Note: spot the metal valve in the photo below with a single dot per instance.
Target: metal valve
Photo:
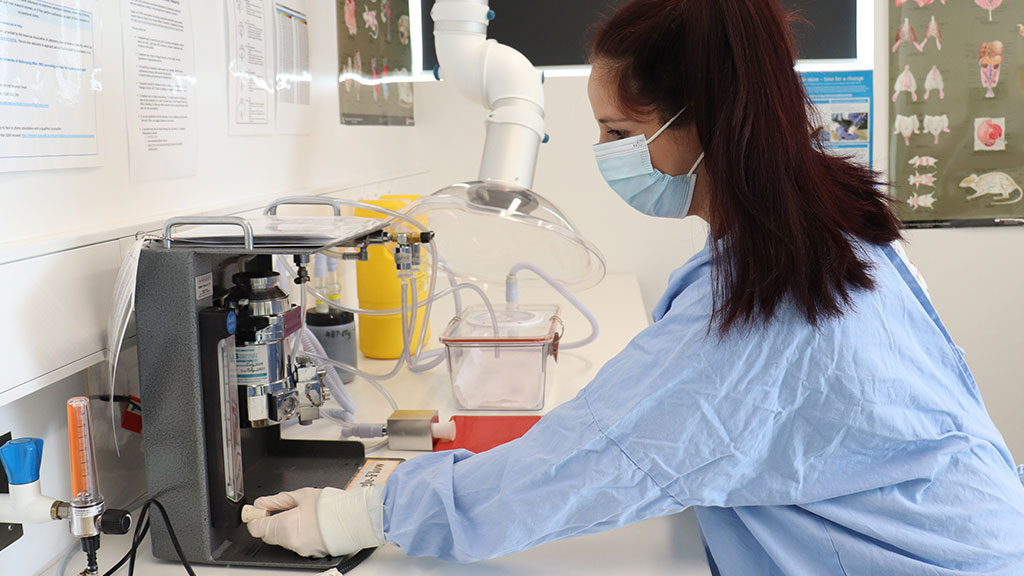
(309, 381)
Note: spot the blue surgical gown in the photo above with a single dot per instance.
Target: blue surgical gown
(859, 447)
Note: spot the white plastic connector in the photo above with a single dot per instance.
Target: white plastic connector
(467, 16)
(363, 430)
(26, 505)
(497, 77)
(512, 291)
(250, 513)
(443, 431)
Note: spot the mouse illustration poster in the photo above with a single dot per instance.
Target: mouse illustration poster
(956, 90)
(374, 55)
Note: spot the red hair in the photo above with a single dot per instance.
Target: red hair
(787, 212)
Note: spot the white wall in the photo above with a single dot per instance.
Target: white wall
(974, 278)
(231, 170)
(55, 211)
(972, 273)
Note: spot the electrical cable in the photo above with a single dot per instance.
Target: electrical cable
(117, 398)
(127, 555)
(350, 563)
(143, 525)
(137, 539)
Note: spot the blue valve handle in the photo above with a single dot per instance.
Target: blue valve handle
(21, 459)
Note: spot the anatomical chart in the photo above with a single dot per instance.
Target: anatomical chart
(375, 62)
(957, 95)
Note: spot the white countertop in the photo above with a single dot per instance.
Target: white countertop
(669, 545)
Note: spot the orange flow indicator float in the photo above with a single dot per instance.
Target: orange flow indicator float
(84, 477)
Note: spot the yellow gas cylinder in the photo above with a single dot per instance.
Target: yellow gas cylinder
(379, 288)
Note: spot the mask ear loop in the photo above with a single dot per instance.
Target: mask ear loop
(666, 126)
(695, 164)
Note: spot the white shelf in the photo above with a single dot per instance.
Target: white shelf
(58, 308)
(21, 390)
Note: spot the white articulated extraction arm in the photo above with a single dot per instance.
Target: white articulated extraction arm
(497, 77)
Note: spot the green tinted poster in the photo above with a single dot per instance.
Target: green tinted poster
(957, 110)
(374, 55)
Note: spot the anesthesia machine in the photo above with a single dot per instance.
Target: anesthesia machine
(225, 358)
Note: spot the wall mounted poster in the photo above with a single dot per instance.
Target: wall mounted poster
(250, 67)
(957, 80)
(50, 85)
(374, 55)
(843, 108)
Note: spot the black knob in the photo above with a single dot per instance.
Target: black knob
(116, 522)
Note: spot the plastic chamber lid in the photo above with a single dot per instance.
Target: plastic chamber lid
(483, 229)
(530, 324)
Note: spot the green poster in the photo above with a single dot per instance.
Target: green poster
(374, 54)
(957, 81)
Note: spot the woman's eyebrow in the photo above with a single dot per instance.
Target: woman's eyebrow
(611, 120)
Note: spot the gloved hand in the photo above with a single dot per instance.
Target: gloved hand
(317, 523)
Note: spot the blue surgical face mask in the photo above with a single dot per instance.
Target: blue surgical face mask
(626, 166)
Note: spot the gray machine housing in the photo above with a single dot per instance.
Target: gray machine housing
(172, 289)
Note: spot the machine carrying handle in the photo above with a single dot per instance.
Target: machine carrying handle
(302, 201)
(242, 223)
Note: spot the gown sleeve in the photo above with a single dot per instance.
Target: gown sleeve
(564, 478)
(775, 414)
(568, 476)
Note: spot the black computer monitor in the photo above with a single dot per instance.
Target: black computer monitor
(556, 32)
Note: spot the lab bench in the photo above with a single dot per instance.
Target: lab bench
(668, 545)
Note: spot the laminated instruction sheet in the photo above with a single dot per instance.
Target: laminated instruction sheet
(294, 78)
(50, 84)
(160, 91)
(957, 110)
(251, 67)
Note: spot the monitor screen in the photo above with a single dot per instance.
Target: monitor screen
(556, 32)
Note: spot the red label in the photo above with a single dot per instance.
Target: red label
(131, 415)
(292, 320)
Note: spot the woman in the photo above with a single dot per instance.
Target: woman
(797, 388)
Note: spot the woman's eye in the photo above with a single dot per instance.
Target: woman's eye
(617, 134)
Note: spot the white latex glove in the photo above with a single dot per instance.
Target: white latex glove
(294, 526)
(318, 523)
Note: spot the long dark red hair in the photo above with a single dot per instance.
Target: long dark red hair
(786, 212)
